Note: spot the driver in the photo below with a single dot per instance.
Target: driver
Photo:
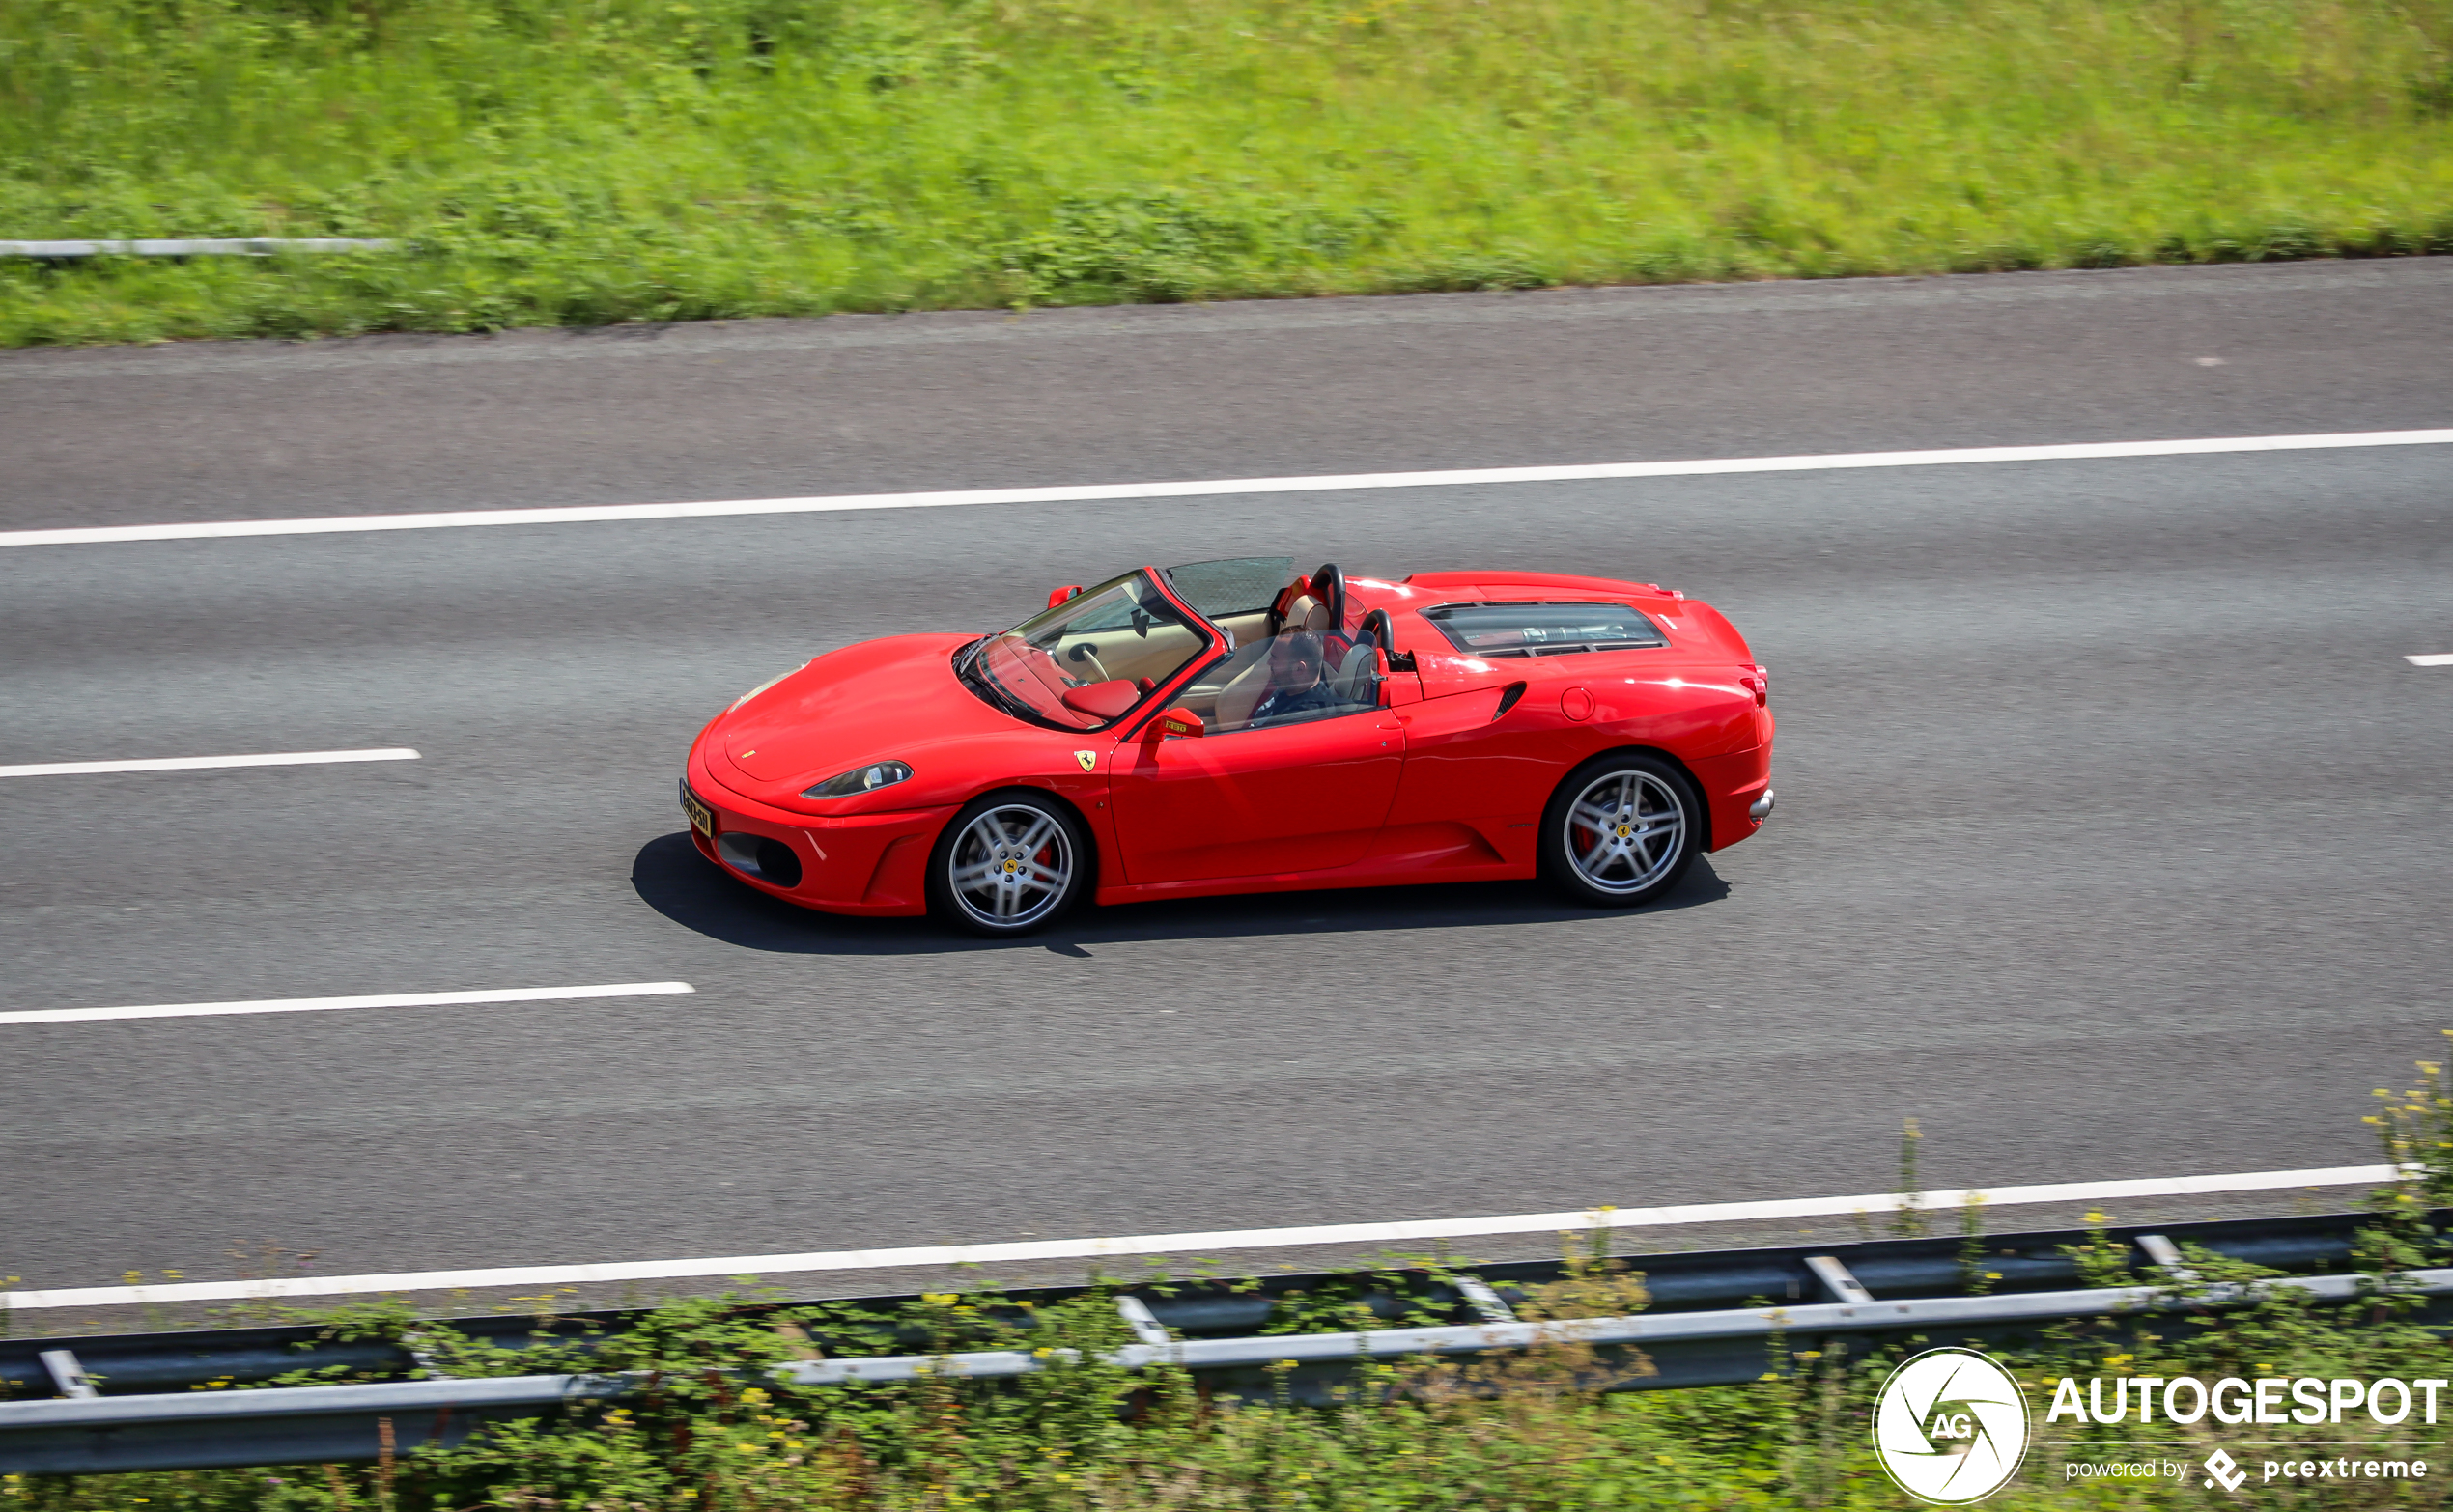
(1295, 685)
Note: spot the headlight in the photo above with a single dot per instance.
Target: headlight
(861, 779)
(762, 687)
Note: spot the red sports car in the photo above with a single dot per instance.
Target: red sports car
(1231, 727)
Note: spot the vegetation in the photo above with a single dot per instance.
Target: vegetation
(581, 161)
(712, 1427)
(1513, 1431)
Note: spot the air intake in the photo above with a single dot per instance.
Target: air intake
(770, 861)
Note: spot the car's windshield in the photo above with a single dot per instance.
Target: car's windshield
(1089, 661)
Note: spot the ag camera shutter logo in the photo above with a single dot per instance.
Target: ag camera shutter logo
(1950, 1426)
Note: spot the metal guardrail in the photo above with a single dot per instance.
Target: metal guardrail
(1677, 1283)
(123, 1364)
(211, 246)
(308, 1424)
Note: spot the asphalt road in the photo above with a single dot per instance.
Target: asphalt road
(2113, 837)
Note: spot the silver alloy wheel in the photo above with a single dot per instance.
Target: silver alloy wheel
(1010, 865)
(1625, 831)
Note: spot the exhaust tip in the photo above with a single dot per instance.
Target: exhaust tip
(1761, 809)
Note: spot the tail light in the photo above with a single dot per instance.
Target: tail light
(1758, 681)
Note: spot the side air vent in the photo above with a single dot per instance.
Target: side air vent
(1508, 699)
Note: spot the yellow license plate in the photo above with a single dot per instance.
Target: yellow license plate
(701, 818)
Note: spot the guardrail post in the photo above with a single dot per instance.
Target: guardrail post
(1137, 1317)
(68, 1376)
(2167, 1256)
(1836, 1281)
(1478, 1296)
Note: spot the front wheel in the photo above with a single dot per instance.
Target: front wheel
(1621, 830)
(1010, 863)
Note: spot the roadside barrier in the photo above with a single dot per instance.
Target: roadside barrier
(211, 246)
(1828, 1293)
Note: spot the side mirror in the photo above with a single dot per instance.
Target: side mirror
(1175, 724)
(1060, 595)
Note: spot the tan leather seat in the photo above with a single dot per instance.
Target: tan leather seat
(1352, 682)
(1306, 613)
(1246, 688)
(1251, 684)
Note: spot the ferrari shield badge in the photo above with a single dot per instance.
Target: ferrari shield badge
(1089, 760)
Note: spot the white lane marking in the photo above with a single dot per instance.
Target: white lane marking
(1182, 1244)
(62, 768)
(512, 994)
(1099, 492)
(2433, 659)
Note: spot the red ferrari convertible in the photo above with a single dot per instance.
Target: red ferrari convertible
(1231, 727)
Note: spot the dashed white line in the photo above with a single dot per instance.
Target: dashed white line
(2432, 659)
(1116, 491)
(513, 995)
(64, 768)
(1190, 1243)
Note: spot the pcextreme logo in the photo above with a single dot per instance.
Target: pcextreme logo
(2222, 1468)
(1950, 1426)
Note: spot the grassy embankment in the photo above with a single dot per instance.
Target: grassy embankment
(578, 162)
(1504, 1432)
(1514, 1434)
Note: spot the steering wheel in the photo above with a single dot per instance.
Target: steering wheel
(1086, 651)
(1033, 657)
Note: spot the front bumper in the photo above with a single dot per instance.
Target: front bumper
(869, 864)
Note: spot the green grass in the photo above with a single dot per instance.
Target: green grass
(584, 161)
(713, 1429)
(1518, 1433)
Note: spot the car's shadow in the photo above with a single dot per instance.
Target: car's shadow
(674, 879)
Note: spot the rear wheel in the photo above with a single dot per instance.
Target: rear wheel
(1008, 863)
(1621, 830)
